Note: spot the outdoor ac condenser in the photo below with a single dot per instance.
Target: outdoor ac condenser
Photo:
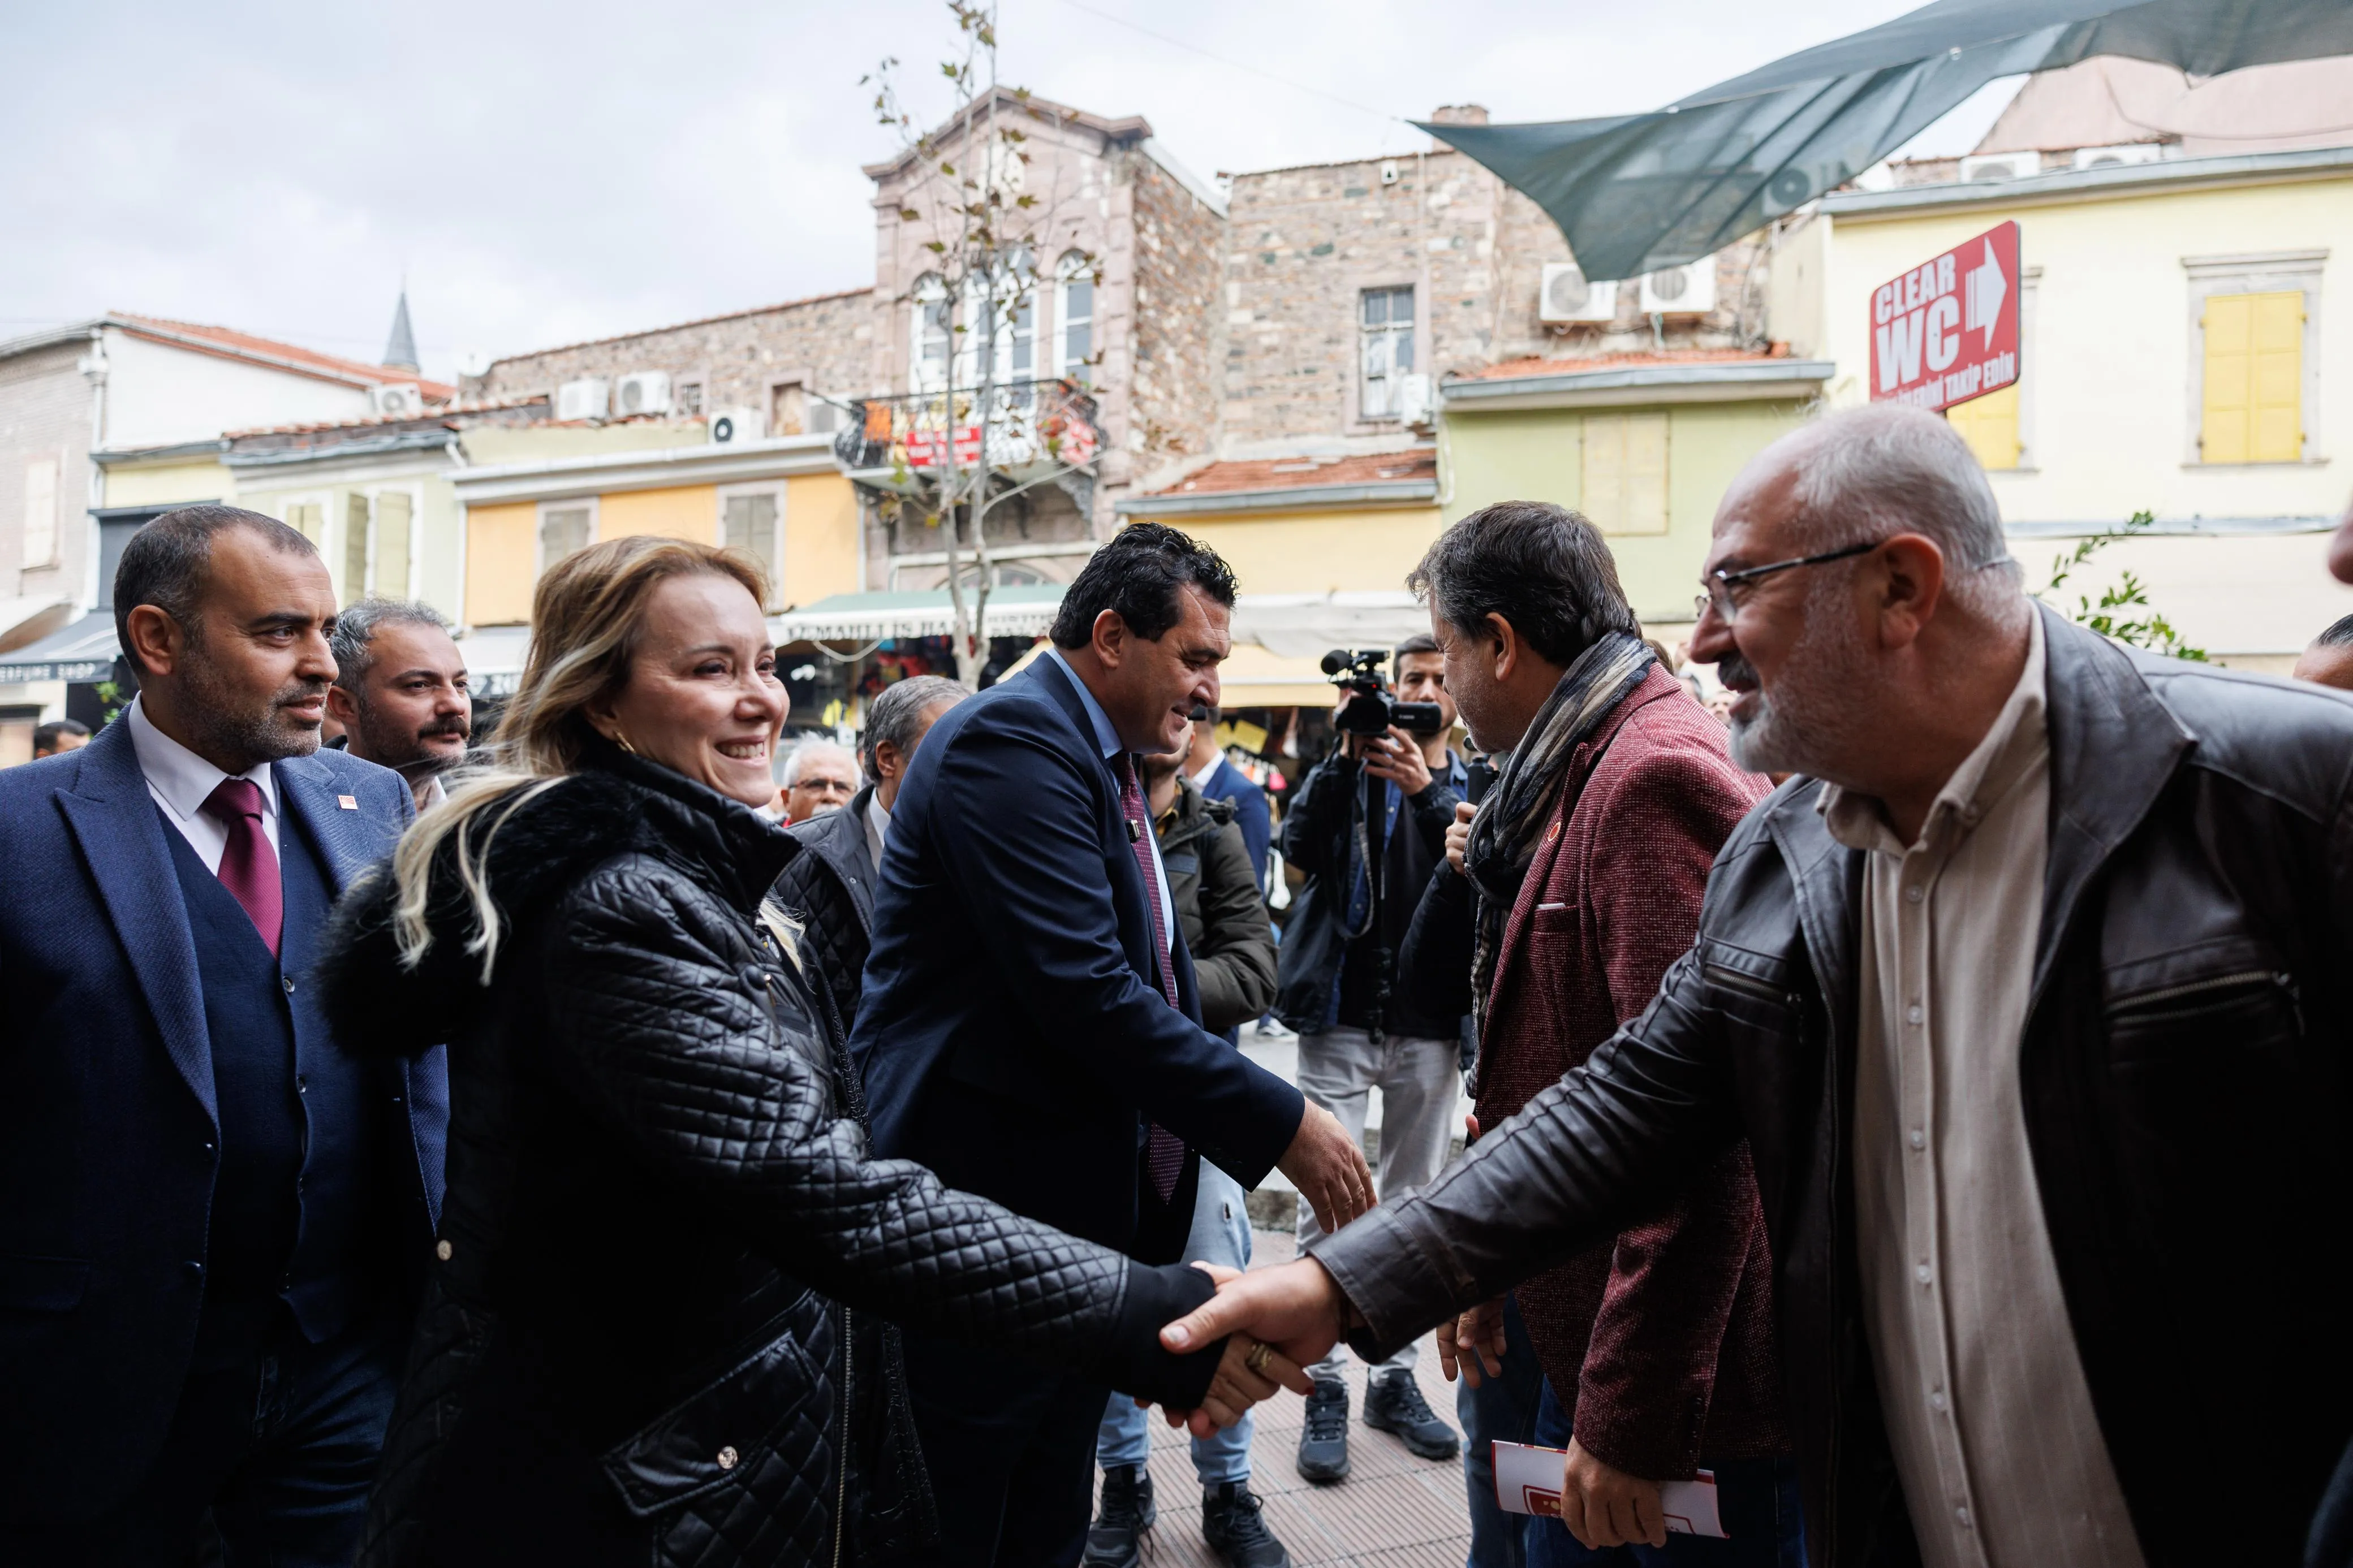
(732, 425)
(401, 400)
(1685, 290)
(580, 400)
(642, 392)
(1565, 296)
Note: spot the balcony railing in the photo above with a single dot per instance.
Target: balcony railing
(1030, 428)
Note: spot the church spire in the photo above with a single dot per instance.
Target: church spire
(400, 354)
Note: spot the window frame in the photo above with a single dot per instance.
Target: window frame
(2257, 272)
(1073, 269)
(780, 491)
(1361, 383)
(408, 590)
(540, 561)
(929, 290)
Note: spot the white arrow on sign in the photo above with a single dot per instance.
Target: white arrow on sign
(1987, 288)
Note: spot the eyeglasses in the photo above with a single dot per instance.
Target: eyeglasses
(1718, 596)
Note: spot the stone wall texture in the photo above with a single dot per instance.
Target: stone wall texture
(1179, 243)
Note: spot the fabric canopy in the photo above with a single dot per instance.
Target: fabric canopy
(1634, 192)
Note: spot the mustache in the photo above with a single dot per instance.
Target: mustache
(301, 690)
(459, 725)
(1737, 673)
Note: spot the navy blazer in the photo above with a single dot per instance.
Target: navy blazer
(1011, 1031)
(108, 1128)
(1252, 814)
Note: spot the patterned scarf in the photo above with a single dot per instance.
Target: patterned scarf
(1504, 833)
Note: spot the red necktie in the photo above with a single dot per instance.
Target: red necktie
(249, 866)
(1164, 1151)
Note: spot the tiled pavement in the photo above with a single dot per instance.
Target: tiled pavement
(1393, 1511)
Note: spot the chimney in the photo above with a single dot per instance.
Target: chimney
(1460, 114)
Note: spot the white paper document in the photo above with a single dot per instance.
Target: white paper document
(1527, 1480)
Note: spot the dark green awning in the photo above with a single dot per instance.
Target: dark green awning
(1638, 192)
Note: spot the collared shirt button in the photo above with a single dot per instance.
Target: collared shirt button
(442, 1250)
(1921, 1274)
(1936, 1400)
(1912, 895)
(1913, 1013)
(1962, 1514)
(728, 1457)
(1919, 1139)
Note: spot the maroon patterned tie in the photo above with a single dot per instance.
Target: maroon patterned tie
(249, 866)
(1164, 1151)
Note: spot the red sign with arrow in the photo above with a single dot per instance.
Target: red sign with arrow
(1946, 330)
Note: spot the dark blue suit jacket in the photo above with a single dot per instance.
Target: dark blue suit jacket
(1251, 813)
(1010, 1030)
(108, 1123)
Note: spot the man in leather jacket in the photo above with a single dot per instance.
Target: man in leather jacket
(2028, 994)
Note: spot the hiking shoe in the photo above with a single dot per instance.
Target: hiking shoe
(1393, 1402)
(1232, 1524)
(1324, 1441)
(1127, 1513)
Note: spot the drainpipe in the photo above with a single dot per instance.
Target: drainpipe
(93, 368)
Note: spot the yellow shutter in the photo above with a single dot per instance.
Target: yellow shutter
(303, 517)
(355, 547)
(1625, 490)
(2255, 378)
(1989, 425)
(392, 544)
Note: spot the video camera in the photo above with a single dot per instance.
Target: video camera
(1372, 709)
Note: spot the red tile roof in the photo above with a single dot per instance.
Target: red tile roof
(230, 341)
(438, 412)
(1512, 369)
(1302, 473)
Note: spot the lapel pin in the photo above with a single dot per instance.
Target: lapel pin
(348, 802)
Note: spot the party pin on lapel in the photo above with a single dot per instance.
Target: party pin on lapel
(348, 802)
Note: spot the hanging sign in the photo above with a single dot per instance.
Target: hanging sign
(1946, 330)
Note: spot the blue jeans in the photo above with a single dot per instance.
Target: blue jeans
(1501, 1409)
(278, 1439)
(1757, 1500)
(1220, 1234)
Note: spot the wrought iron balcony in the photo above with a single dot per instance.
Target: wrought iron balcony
(908, 442)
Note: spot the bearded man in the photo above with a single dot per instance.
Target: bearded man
(401, 693)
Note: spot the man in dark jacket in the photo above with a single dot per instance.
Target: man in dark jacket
(2027, 992)
(831, 890)
(1357, 1029)
(1225, 929)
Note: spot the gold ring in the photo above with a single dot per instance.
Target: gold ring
(1260, 1354)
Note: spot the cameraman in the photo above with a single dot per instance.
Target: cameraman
(1387, 798)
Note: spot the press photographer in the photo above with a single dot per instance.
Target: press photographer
(1367, 827)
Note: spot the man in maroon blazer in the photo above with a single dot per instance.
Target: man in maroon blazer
(1572, 891)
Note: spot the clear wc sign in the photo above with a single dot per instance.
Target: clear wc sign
(1946, 330)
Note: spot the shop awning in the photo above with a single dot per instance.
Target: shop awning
(84, 651)
(1017, 610)
(1304, 626)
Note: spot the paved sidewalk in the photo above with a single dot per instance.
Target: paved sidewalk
(1394, 1511)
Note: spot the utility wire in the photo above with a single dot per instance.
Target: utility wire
(1234, 65)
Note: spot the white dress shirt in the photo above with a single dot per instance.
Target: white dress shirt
(182, 781)
(878, 822)
(1209, 771)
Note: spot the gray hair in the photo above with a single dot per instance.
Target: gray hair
(898, 713)
(1874, 472)
(355, 629)
(808, 746)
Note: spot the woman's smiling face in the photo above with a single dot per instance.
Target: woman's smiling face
(703, 697)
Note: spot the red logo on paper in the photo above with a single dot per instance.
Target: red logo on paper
(1946, 330)
(1541, 1502)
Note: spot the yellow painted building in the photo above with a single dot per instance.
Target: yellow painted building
(783, 501)
(2181, 323)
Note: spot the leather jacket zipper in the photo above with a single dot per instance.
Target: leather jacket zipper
(2155, 1004)
(841, 1465)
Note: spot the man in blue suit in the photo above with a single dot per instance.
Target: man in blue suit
(1218, 779)
(212, 1220)
(1030, 1028)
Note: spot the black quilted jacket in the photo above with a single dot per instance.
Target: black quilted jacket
(829, 887)
(641, 1341)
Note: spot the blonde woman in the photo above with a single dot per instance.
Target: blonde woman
(646, 1335)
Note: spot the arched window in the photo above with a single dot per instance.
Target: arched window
(1000, 304)
(1074, 318)
(928, 336)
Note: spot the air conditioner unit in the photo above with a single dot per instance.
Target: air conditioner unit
(1565, 296)
(581, 399)
(1685, 290)
(399, 400)
(1998, 166)
(730, 424)
(2111, 157)
(642, 392)
(1416, 401)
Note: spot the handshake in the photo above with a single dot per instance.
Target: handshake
(1276, 1322)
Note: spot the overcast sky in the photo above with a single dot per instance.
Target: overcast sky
(547, 172)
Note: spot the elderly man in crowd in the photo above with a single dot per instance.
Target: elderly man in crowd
(401, 691)
(2029, 989)
(2329, 660)
(830, 884)
(820, 776)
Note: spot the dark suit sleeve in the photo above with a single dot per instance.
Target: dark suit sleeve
(1020, 850)
(1434, 964)
(1312, 828)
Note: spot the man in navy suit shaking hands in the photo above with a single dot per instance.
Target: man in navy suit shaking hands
(1029, 1026)
(213, 1220)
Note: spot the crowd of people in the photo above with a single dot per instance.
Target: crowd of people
(595, 1142)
